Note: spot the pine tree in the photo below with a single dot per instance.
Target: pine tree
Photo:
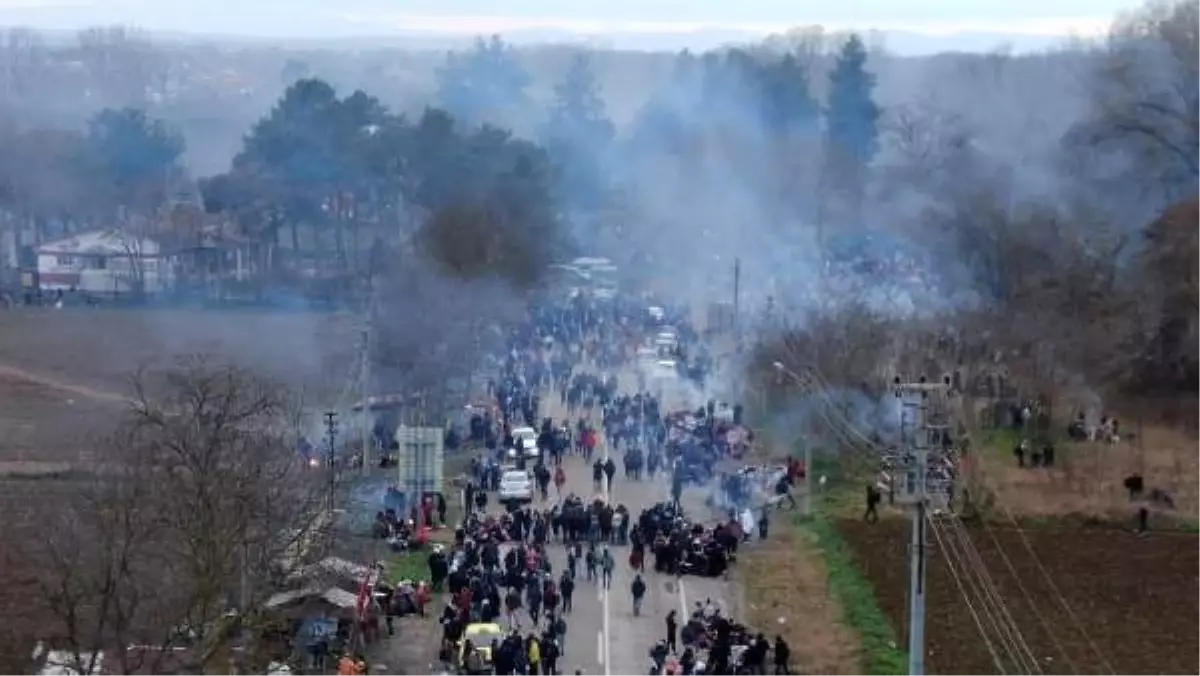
(787, 103)
(579, 135)
(579, 116)
(851, 135)
(485, 84)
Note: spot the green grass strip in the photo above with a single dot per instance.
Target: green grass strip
(880, 654)
(412, 566)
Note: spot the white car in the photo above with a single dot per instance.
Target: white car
(516, 485)
(666, 368)
(525, 438)
(605, 292)
(530, 454)
(665, 349)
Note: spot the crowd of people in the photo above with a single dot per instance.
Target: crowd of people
(508, 605)
(710, 643)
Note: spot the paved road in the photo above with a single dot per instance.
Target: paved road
(603, 635)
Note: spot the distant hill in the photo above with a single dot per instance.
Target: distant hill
(906, 43)
(61, 19)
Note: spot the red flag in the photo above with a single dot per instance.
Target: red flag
(365, 588)
(364, 597)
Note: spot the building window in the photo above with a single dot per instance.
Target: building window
(66, 261)
(101, 263)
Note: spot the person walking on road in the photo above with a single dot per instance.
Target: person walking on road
(783, 491)
(873, 499)
(783, 654)
(606, 566)
(566, 587)
(610, 468)
(590, 560)
(560, 478)
(550, 654)
(672, 632)
(512, 603)
(589, 443)
(638, 589)
(534, 653)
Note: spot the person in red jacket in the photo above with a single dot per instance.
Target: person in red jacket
(423, 597)
(796, 470)
(560, 478)
(589, 443)
(463, 601)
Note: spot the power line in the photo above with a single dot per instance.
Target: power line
(915, 493)
(966, 598)
(1029, 599)
(811, 382)
(1058, 593)
(1006, 626)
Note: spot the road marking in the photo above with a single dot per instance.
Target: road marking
(600, 650)
(607, 643)
(683, 606)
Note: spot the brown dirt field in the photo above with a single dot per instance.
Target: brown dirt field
(1087, 477)
(21, 500)
(100, 348)
(63, 373)
(46, 428)
(785, 578)
(1134, 596)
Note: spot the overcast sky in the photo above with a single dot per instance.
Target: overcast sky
(380, 18)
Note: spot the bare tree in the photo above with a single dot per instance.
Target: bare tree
(927, 152)
(165, 560)
(433, 328)
(1145, 96)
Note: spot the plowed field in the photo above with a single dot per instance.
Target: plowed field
(63, 373)
(1132, 599)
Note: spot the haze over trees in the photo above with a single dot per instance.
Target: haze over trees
(806, 154)
(1031, 214)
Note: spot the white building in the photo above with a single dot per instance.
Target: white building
(103, 261)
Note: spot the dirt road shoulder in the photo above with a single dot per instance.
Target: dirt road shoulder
(787, 592)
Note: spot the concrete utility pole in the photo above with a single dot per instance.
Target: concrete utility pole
(366, 333)
(642, 422)
(925, 437)
(737, 293)
(806, 502)
(365, 386)
(331, 441)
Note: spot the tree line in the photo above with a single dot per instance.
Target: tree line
(446, 220)
(329, 174)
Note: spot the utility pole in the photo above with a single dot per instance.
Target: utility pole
(365, 386)
(737, 292)
(642, 394)
(925, 437)
(331, 440)
(806, 501)
(364, 373)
